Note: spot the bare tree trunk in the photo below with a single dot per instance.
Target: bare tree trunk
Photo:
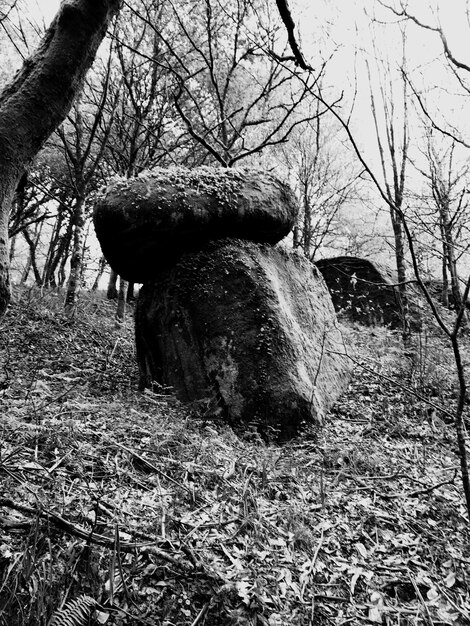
(76, 261)
(449, 254)
(12, 248)
(296, 237)
(121, 307)
(31, 263)
(63, 256)
(307, 230)
(38, 99)
(130, 292)
(399, 238)
(54, 238)
(445, 282)
(112, 292)
(99, 275)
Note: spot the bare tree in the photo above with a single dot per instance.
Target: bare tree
(392, 134)
(234, 97)
(452, 330)
(143, 112)
(458, 70)
(40, 96)
(141, 89)
(324, 180)
(84, 138)
(444, 222)
(38, 99)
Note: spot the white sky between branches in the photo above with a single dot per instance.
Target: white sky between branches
(347, 32)
(343, 30)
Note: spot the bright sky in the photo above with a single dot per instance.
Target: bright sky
(347, 21)
(46, 8)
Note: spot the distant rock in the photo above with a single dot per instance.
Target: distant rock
(146, 223)
(362, 291)
(250, 327)
(445, 296)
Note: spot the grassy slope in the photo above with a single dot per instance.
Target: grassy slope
(117, 504)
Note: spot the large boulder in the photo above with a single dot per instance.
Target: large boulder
(250, 327)
(146, 223)
(362, 291)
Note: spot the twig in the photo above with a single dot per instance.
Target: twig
(77, 531)
(420, 596)
(397, 384)
(420, 492)
(201, 614)
(462, 611)
(410, 494)
(312, 564)
(284, 12)
(152, 466)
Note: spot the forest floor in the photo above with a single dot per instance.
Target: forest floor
(119, 507)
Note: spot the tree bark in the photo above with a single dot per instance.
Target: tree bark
(38, 99)
(101, 268)
(12, 248)
(399, 239)
(32, 263)
(76, 261)
(111, 292)
(449, 255)
(130, 292)
(122, 297)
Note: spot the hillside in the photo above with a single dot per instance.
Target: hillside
(120, 507)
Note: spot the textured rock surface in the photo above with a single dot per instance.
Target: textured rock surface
(250, 326)
(149, 221)
(362, 290)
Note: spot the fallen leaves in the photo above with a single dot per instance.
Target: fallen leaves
(159, 513)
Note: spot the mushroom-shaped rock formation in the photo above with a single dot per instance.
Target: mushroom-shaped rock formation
(146, 223)
(249, 326)
(363, 291)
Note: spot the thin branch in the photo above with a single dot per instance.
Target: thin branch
(286, 16)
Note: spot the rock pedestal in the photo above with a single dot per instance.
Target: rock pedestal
(250, 327)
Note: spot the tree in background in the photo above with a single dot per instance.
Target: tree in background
(234, 97)
(142, 134)
(84, 138)
(391, 126)
(442, 214)
(142, 86)
(324, 180)
(40, 96)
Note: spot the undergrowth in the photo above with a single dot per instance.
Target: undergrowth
(119, 507)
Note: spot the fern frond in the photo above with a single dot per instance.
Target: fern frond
(75, 612)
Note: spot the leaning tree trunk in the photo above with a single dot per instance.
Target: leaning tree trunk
(38, 99)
